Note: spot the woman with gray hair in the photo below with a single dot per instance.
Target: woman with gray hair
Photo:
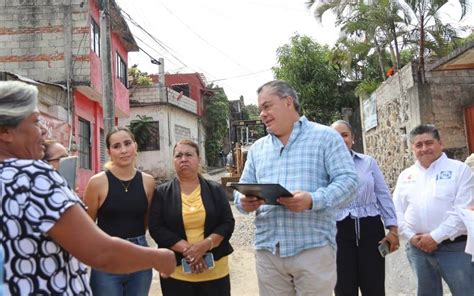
(45, 230)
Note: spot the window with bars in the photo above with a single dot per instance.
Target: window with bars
(85, 144)
(121, 69)
(103, 157)
(95, 37)
(153, 141)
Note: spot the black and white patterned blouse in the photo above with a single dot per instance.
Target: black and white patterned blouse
(32, 198)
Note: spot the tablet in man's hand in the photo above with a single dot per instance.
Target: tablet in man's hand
(268, 192)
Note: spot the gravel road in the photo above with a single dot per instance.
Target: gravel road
(399, 279)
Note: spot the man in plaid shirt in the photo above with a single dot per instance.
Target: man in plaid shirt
(295, 241)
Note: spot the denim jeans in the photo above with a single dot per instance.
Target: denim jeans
(1, 271)
(448, 262)
(134, 284)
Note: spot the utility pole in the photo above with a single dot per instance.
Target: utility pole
(108, 103)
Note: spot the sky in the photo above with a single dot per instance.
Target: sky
(233, 43)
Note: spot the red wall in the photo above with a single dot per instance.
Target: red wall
(96, 78)
(92, 112)
(120, 90)
(196, 87)
(121, 94)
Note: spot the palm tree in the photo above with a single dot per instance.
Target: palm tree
(428, 28)
(140, 129)
(417, 22)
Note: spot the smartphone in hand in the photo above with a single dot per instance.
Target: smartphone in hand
(208, 258)
(384, 248)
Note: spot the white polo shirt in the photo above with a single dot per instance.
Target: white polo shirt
(425, 199)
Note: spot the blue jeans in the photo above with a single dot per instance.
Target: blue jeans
(448, 262)
(110, 284)
(1, 271)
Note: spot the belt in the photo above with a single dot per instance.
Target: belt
(461, 238)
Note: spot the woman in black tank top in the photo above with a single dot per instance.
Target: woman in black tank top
(119, 199)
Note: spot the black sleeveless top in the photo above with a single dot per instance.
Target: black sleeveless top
(123, 212)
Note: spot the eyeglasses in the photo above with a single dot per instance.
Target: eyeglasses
(56, 159)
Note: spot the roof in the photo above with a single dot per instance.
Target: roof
(120, 27)
(459, 59)
(32, 81)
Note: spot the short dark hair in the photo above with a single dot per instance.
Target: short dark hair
(424, 129)
(282, 89)
(189, 143)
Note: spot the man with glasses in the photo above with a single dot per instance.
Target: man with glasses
(53, 152)
(295, 241)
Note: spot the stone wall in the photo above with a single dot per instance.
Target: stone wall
(402, 103)
(387, 142)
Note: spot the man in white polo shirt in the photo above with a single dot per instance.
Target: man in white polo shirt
(425, 197)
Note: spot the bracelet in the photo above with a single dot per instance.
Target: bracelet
(394, 233)
(212, 244)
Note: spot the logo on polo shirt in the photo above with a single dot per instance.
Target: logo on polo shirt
(444, 175)
(409, 179)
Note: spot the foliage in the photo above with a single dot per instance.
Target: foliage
(250, 112)
(415, 25)
(140, 128)
(306, 66)
(366, 87)
(139, 78)
(216, 116)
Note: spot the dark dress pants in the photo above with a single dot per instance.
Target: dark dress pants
(173, 287)
(359, 263)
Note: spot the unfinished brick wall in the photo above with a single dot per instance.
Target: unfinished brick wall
(451, 91)
(44, 39)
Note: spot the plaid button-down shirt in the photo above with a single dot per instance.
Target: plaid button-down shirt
(315, 160)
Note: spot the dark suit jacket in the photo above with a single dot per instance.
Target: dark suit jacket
(166, 220)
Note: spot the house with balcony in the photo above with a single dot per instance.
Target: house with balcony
(57, 43)
(175, 105)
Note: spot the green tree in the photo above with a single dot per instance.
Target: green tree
(389, 23)
(428, 31)
(306, 66)
(216, 116)
(138, 78)
(250, 112)
(140, 128)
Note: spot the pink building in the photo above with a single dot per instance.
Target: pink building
(60, 44)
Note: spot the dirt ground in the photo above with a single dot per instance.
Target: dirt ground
(399, 279)
(242, 276)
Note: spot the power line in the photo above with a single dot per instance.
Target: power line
(242, 75)
(168, 49)
(153, 49)
(161, 44)
(203, 39)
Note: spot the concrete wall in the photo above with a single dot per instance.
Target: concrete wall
(175, 123)
(451, 92)
(402, 103)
